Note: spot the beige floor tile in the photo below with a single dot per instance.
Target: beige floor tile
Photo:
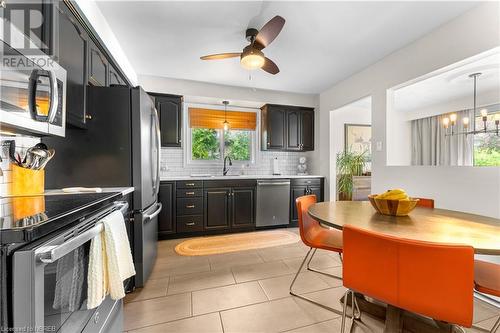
(228, 260)
(282, 252)
(320, 261)
(332, 282)
(329, 297)
(222, 298)
(260, 271)
(196, 281)
(273, 316)
(152, 289)
(315, 311)
(483, 311)
(177, 265)
(156, 311)
(279, 287)
(209, 323)
(330, 326)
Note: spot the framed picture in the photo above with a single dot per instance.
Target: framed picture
(358, 138)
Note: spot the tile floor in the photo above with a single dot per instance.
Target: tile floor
(246, 292)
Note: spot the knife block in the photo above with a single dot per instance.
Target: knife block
(26, 181)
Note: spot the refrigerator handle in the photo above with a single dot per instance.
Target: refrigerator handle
(156, 185)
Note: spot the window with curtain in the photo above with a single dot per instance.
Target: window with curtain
(210, 143)
(430, 146)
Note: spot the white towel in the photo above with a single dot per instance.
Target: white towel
(110, 261)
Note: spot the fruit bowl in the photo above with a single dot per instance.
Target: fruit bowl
(393, 207)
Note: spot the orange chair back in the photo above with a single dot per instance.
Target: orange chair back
(435, 280)
(306, 223)
(427, 203)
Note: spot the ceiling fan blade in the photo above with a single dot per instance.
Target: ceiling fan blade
(269, 32)
(220, 56)
(270, 67)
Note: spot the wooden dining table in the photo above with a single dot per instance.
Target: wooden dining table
(422, 224)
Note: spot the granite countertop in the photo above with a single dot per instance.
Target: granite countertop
(233, 177)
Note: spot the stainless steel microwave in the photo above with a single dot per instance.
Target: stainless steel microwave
(32, 90)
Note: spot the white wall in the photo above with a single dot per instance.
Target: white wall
(470, 189)
(349, 114)
(98, 21)
(210, 93)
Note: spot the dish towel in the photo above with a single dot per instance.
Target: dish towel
(70, 271)
(110, 261)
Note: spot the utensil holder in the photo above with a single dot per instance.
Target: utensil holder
(27, 206)
(27, 181)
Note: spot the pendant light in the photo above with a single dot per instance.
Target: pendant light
(225, 123)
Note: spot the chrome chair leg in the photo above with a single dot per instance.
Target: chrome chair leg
(320, 272)
(344, 311)
(354, 306)
(303, 297)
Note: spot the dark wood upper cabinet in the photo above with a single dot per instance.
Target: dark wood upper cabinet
(72, 56)
(242, 207)
(166, 219)
(287, 128)
(98, 66)
(307, 129)
(169, 109)
(114, 77)
(293, 130)
(273, 121)
(216, 208)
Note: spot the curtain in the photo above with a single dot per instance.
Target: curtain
(430, 146)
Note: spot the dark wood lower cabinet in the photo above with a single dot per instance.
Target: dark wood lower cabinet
(304, 186)
(216, 204)
(243, 207)
(166, 218)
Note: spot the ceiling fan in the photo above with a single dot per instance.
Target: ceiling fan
(252, 56)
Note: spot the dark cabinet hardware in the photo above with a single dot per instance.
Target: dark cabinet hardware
(189, 193)
(190, 223)
(190, 206)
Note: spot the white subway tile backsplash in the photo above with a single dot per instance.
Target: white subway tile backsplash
(172, 164)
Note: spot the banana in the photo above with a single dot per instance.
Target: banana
(395, 194)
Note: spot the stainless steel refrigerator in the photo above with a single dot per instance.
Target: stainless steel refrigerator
(119, 147)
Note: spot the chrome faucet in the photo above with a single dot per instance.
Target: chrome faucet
(225, 170)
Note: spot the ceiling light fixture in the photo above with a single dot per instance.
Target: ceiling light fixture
(225, 123)
(252, 58)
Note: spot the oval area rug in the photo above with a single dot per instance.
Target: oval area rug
(203, 246)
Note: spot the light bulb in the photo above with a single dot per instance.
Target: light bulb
(484, 113)
(465, 121)
(453, 118)
(226, 125)
(446, 122)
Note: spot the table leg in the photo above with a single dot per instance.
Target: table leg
(393, 322)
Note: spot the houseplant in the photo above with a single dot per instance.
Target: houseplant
(349, 164)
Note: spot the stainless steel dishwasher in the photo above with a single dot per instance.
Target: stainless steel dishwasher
(273, 202)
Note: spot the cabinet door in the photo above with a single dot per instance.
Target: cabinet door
(73, 57)
(307, 130)
(114, 77)
(170, 112)
(242, 207)
(293, 130)
(276, 118)
(98, 67)
(316, 190)
(295, 192)
(216, 208)
(166, 219)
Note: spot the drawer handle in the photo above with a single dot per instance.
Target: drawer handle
(189, 193)
(189, 206)
(190, 223)
(189, 184)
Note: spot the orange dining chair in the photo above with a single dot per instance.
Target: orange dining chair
(315, 237)
(487, 281)
(431, 279)
(424, 202)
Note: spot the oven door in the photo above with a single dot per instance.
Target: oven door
(50, 283)
(32, 92)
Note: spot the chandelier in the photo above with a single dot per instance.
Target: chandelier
(450, 121)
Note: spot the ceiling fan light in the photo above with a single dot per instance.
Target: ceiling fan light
(252, 58)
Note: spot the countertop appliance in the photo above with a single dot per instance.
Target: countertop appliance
(121, 147)
(43, 240)
(32, 89)
(273, 202)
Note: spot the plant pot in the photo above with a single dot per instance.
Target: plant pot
(343, 196)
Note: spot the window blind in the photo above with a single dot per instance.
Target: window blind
(207, 118)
